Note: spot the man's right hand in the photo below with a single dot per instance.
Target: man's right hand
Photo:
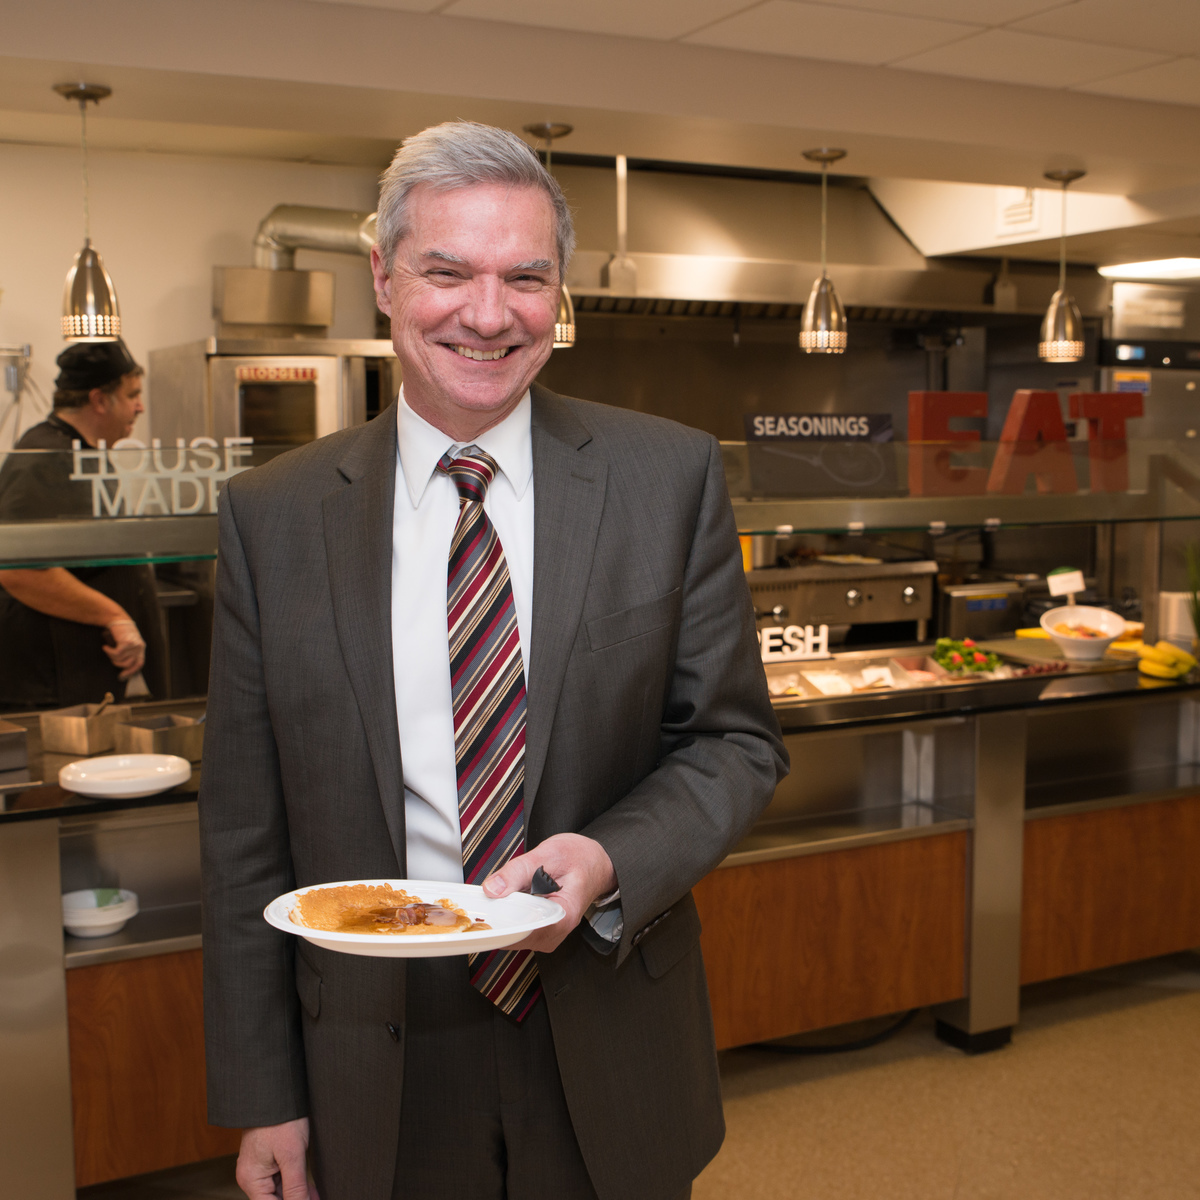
(128, 651)
(271, 1162)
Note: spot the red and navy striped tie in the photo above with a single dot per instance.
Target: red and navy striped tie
(487, 679)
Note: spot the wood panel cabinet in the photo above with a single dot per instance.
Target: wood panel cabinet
(1108, 886)
(822, 939)
(137, 1067)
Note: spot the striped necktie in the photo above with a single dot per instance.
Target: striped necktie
(487, 680)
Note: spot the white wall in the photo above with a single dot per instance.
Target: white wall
(161, 222)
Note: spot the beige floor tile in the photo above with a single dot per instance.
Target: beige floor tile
(1096, 1099)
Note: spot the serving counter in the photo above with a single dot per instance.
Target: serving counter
(942, 846)
(934, 846)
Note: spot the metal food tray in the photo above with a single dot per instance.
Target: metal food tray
(796, 674)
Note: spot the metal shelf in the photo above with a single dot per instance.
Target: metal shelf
(107, 542)
(823, 832)
(152, 931)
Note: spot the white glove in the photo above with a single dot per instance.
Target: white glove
(129, 649)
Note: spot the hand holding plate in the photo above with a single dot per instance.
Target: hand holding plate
(580, 865)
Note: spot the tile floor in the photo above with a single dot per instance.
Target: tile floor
(1096, 1099)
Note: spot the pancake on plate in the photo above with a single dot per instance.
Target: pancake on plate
(378, 908)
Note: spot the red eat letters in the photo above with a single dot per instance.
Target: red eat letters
(931, 442)
(1108, 455)
(1033, 442)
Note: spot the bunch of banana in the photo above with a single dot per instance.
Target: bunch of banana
(1165, 661)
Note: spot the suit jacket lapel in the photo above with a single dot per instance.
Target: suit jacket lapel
(568, 488)
(358, 547)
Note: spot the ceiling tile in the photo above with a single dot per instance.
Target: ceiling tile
(982, 12)
(417, 6)
(1008, 57)
(822, 31)
(631, 18)
(1176, 82)
(1171, 26)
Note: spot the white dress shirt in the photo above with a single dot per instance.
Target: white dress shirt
(426, 512)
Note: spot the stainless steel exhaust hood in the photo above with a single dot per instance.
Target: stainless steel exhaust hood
(880, 275)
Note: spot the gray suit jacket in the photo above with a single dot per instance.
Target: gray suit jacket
(648, 728)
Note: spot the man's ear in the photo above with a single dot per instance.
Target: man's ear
(382, 281)
(98, 400)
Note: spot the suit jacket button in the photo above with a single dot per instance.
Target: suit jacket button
(393, 1030)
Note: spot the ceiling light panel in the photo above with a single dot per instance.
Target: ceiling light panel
(1159, 268)
(822, 31)
(1027, 58)
(981, 12)
(1169, 26)
(1176, 82)
(630, 18)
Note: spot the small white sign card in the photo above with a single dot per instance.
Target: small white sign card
(1065, 582)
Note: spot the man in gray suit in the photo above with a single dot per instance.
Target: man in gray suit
(385, 593)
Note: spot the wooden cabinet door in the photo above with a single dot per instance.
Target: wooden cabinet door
(137, 1068)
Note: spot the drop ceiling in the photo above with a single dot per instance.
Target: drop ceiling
(984, 92)
(1148, 50)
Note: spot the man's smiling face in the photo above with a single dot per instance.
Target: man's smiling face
(472, 297)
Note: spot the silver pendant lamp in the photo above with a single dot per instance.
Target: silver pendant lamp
(1062, 326)
(823, 330)
(564, 321)
(91, 312)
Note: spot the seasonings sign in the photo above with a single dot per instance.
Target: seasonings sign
(818, 427)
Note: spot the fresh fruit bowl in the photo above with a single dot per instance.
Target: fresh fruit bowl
(1094, 630)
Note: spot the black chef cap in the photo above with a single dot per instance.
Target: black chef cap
(87, 365)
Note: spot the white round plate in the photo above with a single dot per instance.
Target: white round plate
(125, 776)
(510, 918)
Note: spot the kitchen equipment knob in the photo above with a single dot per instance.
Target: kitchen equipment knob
(778, 612)
(853, 598)
(909, 595)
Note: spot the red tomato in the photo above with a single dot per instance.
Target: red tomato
(968, 642)
(980, 658)
(955, 657)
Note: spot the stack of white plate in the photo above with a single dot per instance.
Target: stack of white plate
(85, 914)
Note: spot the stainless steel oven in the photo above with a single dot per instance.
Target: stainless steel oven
(278, 391)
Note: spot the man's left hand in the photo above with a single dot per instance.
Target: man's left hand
(579, 864)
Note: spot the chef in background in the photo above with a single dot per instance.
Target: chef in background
(68, 635)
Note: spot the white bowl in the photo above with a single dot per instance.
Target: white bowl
(1078, 648)
(83, 918)
(125, 776)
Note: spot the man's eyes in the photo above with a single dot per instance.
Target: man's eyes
(523, 279)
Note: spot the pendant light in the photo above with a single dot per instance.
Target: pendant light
(1062, 326)
(564, 321)
(90, 309)
(824, 328)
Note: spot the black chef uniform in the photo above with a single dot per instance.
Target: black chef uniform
(48, 662)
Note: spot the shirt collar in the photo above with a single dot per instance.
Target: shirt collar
(421, 445)
(67, 428)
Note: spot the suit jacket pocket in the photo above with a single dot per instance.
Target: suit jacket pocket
(665, 945)
(633, 622)
(308, 985)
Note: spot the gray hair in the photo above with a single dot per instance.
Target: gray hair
(459, 154)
